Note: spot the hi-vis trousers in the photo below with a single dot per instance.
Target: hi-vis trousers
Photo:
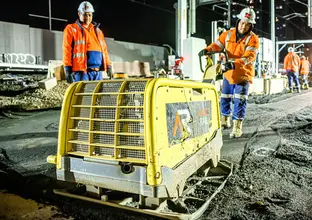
(237, 93)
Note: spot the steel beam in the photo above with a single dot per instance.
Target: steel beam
(309, 13)
(280, 49)
(308, 41)
(193, 13)
(50, 15)
(214, 37)
(273, 35)
(22, 66)
(206, 2)
(301, 2)
(229, 13)
(181, 25)
(46, 17)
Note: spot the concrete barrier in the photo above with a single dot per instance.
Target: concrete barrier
(273, 86)
(56, 69)
(257, 86)
(133, 69)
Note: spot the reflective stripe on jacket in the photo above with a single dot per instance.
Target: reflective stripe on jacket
(243, 52)
(292, 62)
(304, 67)
(75, 50)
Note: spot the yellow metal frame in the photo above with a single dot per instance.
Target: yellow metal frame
(157, 93)
(160, 153)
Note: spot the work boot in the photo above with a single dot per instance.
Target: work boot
(225, 121)
(237, 129)
(298, 89)
(306, 86)
(291, 90)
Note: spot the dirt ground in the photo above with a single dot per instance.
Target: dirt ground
(272, 178)
(26, 209)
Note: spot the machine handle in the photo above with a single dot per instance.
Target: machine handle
(210, 53)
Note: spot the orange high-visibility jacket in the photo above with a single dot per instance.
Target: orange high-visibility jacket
(75, 47)
(243, 52)
(292, 62)
(304, 67)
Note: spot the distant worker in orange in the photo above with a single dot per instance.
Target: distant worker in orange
(291, 65)
(241, 46)
(85, 53)
(304, 71)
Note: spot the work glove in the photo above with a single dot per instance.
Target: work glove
(203, 52)
(69, 76)
(229, 66)
(109, 71)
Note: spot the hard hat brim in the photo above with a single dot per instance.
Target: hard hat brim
(244, 19)
(85, 11)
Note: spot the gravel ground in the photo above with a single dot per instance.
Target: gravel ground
(272, 184)
(35, 99)
(12, 84)
(272, 181)
(263, 99)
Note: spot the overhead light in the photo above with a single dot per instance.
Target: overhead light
(284, 25)
(257, 17)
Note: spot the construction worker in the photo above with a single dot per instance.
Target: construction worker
(291, 65)
(241, 46)
(304, 71)
(85, 53)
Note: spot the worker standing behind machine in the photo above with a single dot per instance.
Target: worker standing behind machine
(291, 65)
(304, 71)
(241, 46)
(85, 53)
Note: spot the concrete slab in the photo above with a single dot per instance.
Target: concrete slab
(47, 84)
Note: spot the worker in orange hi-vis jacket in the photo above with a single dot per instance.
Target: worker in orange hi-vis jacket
(304, 70)
(241, 46)
(85, 53)
(291, 65)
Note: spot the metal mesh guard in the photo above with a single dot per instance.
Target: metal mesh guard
(80, 148)
(134, 100)
(125, 153)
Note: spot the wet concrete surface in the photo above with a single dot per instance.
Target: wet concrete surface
(31, 137)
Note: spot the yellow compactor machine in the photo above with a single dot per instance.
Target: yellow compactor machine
(156, 142)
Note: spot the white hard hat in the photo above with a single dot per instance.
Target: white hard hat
(302, 57)
(85, 6)
(247, 14)
(290, 49)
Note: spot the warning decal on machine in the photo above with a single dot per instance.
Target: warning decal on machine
(187, 120)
